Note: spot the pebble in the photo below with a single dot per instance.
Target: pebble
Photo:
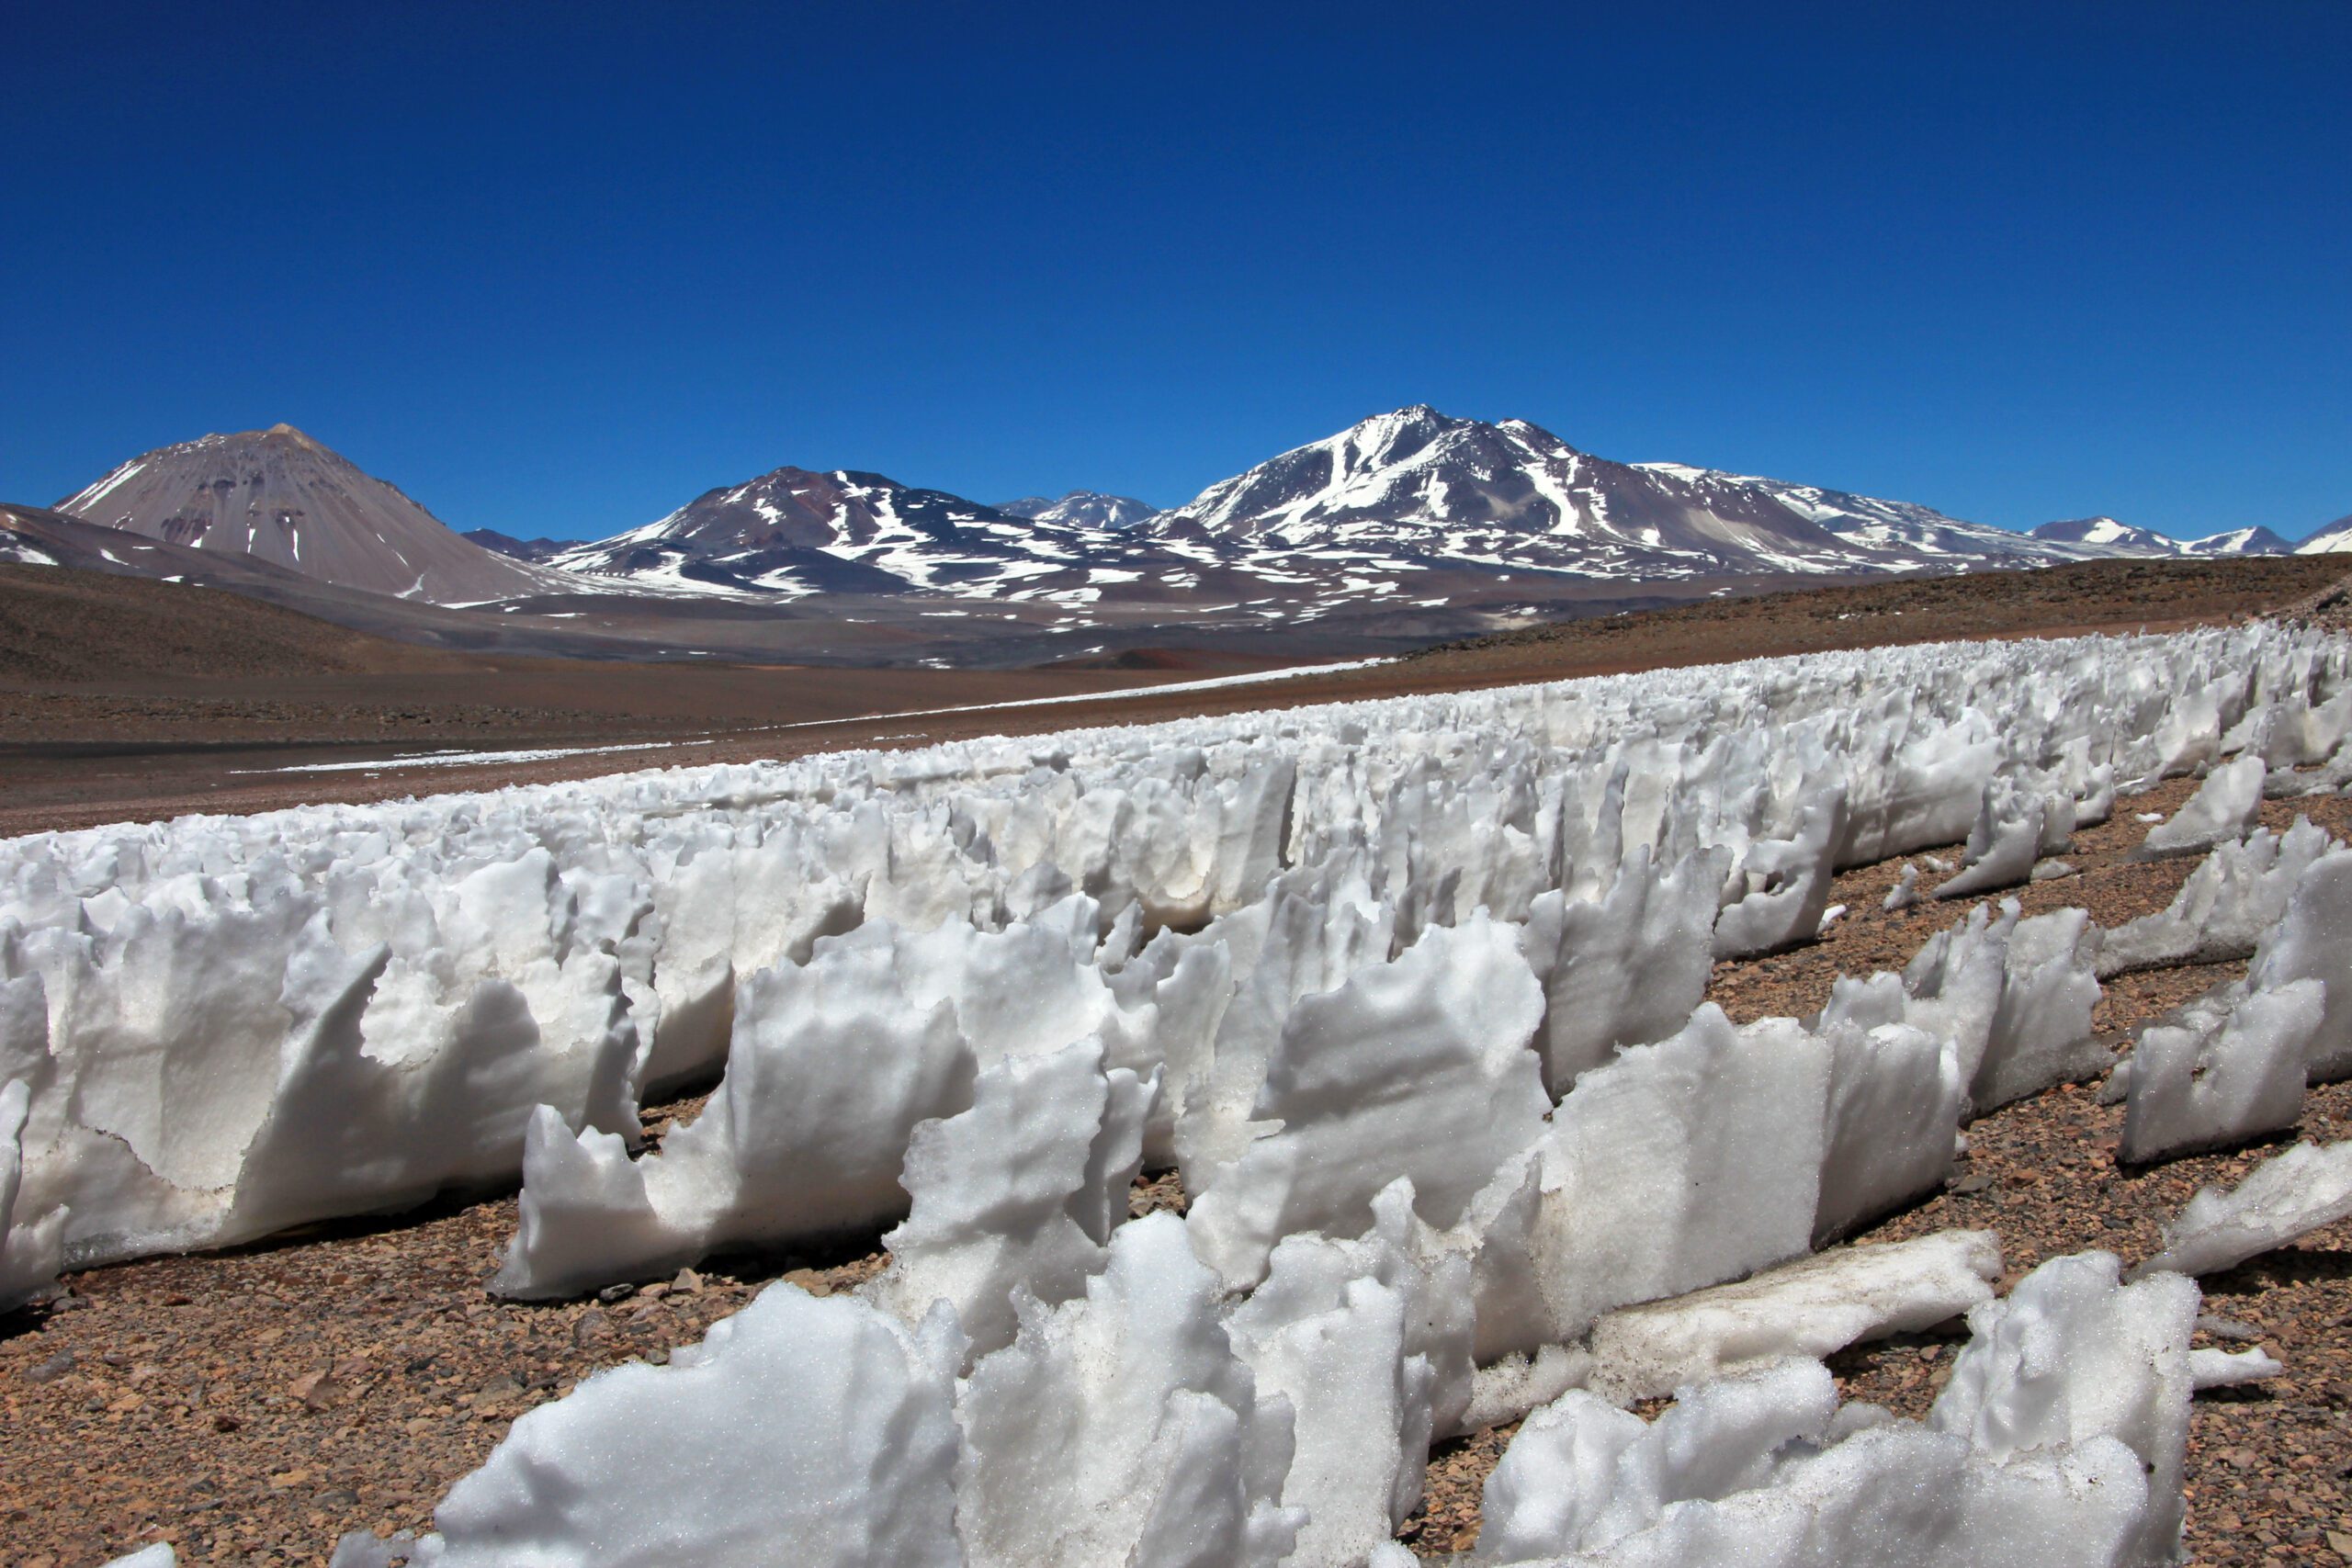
(2227, 1328)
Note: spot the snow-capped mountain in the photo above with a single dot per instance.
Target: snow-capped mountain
(2106, 535)
(2335, 538)
(1082, 508)
(1417, 488)
(796, 532)
(280, 497)
(1413, 509)
(2255, 541)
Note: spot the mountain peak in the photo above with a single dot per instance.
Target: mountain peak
(1081, 508)
(280, 497)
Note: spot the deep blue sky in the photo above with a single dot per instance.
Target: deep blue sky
(560, 269)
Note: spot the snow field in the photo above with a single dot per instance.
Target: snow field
(1410, 992)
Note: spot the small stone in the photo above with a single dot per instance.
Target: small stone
(808, 1280)
(504, 1386)
(56, 1366)
(612, 1293)
(657, 1357)
(226, 1423)
(592, 1326)
(686, 1283)
(2340, 1543)
(1975, 1181)
(2227, 1328)
(654, 1292)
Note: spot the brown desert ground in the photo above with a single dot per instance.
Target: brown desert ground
(252, 1405)
(123, 699)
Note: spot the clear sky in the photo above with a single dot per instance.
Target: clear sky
(560, 269)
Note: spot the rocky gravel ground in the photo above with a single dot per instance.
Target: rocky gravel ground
(252, 1405)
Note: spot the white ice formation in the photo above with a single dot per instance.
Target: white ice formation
(820, 1426)
(2287, 1196)
(1808, 1308)
(29, 1252)
(2227, 1067)
(438, 968)
(1409, 991)
(2230, 1369)
(2059, 1439)
(2233, 1063)
(2224, 806)
(2012, 996)
(2236, 894)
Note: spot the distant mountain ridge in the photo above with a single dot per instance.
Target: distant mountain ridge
(508, 545)
(796, 532)
(1420, 485)
(280, 497)
(2333, 539)
(1410, 519)
(2122, 539)
(1083, 508)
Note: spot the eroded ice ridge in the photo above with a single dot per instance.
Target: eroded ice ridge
(349, 1008)
(2059, 1439)
(2233, 1063)
(1149, 1423)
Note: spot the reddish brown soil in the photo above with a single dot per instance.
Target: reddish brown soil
(78, 752)
(252, 1405)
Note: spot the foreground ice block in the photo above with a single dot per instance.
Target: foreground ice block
(1370, 1342)
(2287, 1196)
(2236, 894)
(2313, 941)
(1419, 1068)
(1625, 969)
(1763, 1470)
(818, 1431)
(29, 1248)
(1120, 1428)
(1809, 1308)
(830, 1068)
(1680, 1165)
(2071, 1356)
(2059, 1439)
(1017, 1195)
(2224, 1068)
(2225, 805)
(1581, 1476)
